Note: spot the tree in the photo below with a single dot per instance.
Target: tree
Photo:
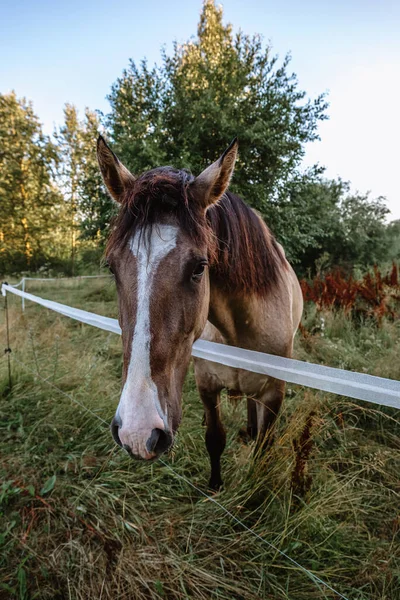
(95, 206)
(393, 237)
(70, 151)
(364, 242)
(211, 89)
(307, 217)
(322, 218)
(30, 202)
(87, 205)
(220, 85)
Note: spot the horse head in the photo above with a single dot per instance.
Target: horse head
(159, 250)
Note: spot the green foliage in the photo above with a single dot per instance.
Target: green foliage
(89, 208)
(392, 235)
(48, 486)
(50, 191)
(363, 221)
(321, 217)
(220, 85)
(307, 218)
(211, 89)
(30, 202)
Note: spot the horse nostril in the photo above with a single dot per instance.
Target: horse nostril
(128, 450)
(158, 442)
(115, 425)
(153, 440)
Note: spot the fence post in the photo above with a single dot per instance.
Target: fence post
(23, 299)
(8, 349)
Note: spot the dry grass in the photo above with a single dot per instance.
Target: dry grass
(107, 527)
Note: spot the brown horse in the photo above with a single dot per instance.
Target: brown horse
(184, 250)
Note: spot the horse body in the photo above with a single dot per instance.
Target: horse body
(185, 250)
(266, 324)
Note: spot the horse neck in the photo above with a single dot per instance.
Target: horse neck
(230, 312)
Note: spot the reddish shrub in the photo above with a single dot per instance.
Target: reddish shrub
(375, 295)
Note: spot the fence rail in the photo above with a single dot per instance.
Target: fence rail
(25, 279)
(360, 386)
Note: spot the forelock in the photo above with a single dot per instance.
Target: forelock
(157, 196)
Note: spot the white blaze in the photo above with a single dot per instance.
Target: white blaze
(139, 407)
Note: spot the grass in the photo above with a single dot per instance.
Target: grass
(79, 519)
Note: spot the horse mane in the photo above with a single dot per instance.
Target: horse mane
(242, 252)
(248, 256)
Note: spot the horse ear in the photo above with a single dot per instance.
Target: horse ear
(209, 186)
(116, 177)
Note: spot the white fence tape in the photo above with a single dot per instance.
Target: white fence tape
(16, 285)
(77, 278)
(75, 313)
(378, 390)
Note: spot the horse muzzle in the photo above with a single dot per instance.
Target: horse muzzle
(147, 445)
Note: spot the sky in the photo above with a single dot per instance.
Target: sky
(57, 52)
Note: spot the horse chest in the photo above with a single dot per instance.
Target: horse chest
(213, 376)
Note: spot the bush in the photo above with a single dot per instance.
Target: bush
(374, 295)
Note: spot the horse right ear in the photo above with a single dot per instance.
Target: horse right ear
(116, 177)
(213, 182)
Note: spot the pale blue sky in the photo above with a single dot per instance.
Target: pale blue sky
(53, 52)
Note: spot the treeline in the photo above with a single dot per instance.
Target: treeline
(50, 189)
(184, 112)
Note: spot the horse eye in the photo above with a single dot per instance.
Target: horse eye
(199, 270)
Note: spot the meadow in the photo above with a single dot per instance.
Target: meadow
(79, 519)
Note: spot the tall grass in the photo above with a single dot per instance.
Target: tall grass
(79, 519)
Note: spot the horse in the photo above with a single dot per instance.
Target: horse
(192, 259)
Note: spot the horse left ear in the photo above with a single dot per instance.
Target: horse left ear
(211, 184)
(116, 177)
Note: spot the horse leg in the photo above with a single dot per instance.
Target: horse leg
(251, 418)
(267, 407)
(215, 434)
(250, 433)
